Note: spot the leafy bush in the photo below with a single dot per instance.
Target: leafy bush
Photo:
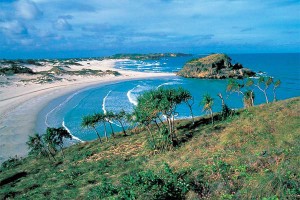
(105, 189)
(11, 162)
(149, 185)
(15, 70)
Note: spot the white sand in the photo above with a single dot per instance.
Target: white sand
(20, 103)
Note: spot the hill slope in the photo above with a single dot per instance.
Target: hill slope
(215, 66)
(252, 155)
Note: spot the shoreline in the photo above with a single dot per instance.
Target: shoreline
(20, 105)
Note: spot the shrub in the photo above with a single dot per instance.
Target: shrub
(11, 162)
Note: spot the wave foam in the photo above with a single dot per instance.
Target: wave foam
(104, 102)
(169, 83)
(130, 97)
(73, 137)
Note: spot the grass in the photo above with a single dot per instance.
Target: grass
(252, 155)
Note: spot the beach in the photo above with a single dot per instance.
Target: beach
(21, 102)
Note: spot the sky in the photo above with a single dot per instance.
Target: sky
(91, 28)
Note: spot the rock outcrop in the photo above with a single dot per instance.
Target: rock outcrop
(215, 66)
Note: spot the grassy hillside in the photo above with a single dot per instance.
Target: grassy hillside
(252, 155)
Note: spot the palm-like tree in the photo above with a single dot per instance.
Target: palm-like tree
(37, 146)
(207, 103)
(187, 97)
(248, 98)
(263, 84)
(109, 116)
(90, 121)
(121, 118)
(54, 138)
(276, 85)
(101, 117)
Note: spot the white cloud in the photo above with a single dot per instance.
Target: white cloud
(62, 24)
(15, 27)
(27, 9)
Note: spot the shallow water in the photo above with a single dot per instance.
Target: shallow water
(69, 109)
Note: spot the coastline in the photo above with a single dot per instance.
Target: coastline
(20, 105)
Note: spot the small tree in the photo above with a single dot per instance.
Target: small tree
(276, 85)
(234, 86)
(207, 103)
(248, 98)
(90, 121)
(109, 116)
(263, 85)
(226, 111)
(187, 97)
(121, 118)
(102, 118)
(54, 138)
(37, 146)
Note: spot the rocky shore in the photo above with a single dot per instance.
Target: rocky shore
(215, 66)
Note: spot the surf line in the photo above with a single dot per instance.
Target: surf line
(104, 102)
(73, 137)
(129, 96)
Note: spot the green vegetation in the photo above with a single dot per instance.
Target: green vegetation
(207, 103)
(150, 56)
(48, 144)
(245, 88)
(60, 67)
(58, 70)
(15, 70)
(231, 159)
(214, 66)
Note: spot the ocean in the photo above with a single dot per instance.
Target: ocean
(68, 110)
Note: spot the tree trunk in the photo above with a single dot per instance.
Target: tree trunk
(191, 111)
(274, 93)
(152, 137)
(97, 134)
(212, 116)
(161, 121)
(51, 154)
(112, 130)
(62, 151)
(123, 129)
(252, 100)
(265, 93)
(221, 97)
(170, 126)
(105, 132)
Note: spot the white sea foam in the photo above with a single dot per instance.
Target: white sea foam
(104, 101)
(130, 97)
(73, 137)
(169, 83)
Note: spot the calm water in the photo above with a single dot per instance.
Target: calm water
(68, 110)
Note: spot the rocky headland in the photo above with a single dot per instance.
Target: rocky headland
(215, 66)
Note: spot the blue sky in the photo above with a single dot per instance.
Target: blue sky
(76, 28)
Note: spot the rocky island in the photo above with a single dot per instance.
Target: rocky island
(215, 66)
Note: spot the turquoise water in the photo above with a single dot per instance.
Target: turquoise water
(69, 109)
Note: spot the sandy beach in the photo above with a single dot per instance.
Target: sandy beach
(21, 102)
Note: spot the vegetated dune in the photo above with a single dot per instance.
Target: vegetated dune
(251, 155)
